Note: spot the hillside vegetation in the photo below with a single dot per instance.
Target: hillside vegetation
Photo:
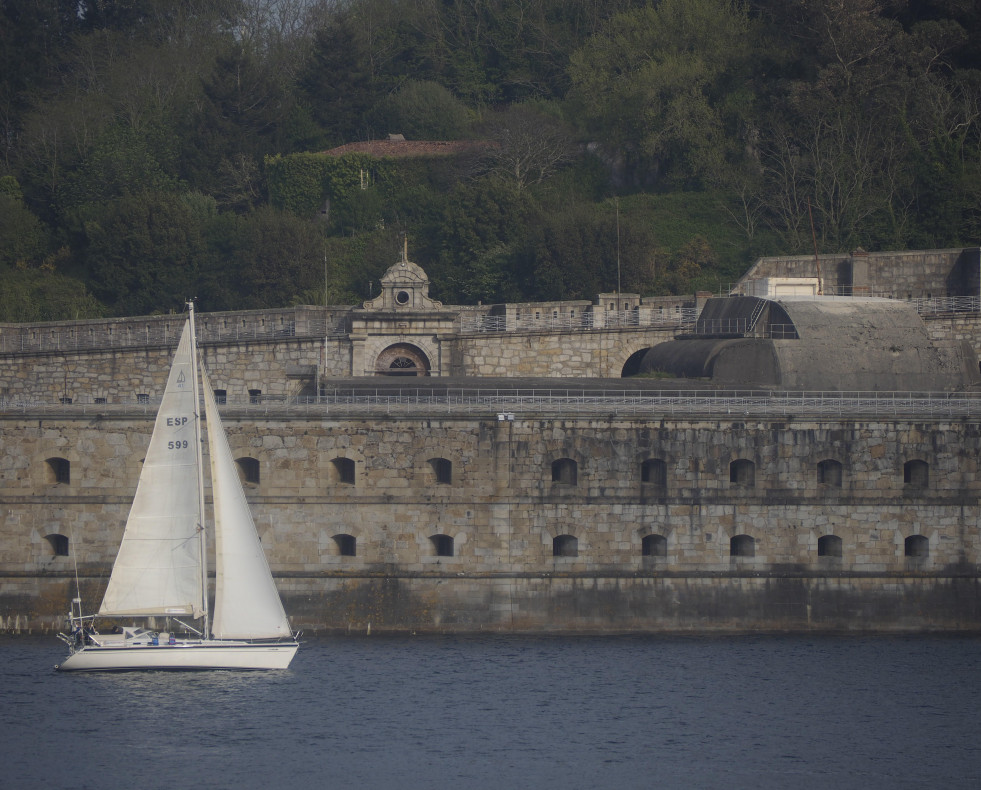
(155, 150)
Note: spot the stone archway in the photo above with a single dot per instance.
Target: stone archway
(402, 359)
(632, 366)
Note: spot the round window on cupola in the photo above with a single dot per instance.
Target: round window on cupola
(402, 297)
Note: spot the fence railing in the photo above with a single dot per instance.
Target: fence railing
(560, 403)
(32, 338)
(28, 339)
(948, 304)
(744, 326)
(583, 321)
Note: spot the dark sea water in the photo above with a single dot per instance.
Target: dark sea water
(509, 712)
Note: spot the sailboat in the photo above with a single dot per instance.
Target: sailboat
(161, 569)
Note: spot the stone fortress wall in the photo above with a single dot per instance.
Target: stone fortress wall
(416, 518)
(635, 510)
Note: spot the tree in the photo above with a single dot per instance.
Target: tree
(282, 258)
(860, 182)
(23, 238)
(666, 87)
(422, 110)
(685, 265)
(122, 162)
(574, 252)
(44, 295)
(339, 81)
(242, 117)
(476, 217)
(529, 146)
(140, 252)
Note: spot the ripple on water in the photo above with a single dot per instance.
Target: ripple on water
(495, 712)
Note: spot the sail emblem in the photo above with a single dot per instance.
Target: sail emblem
(180, 379)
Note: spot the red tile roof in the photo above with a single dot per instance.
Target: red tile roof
(409, 148)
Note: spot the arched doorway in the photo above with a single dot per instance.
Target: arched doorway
(402, 359)
(632, 366)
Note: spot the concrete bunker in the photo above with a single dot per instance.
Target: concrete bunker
(816, 343)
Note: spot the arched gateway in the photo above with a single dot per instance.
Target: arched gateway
(402, 359)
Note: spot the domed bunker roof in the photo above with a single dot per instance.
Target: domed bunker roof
(816, 343)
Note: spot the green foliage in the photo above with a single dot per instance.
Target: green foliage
(338, 82)
(355, 264)
(160, 146)
(123, 162)
(304, 183)
(10, 188)
(685, 265)
(23, 239)
(298, 182)
(139, 252)
(664, 83)
(282, 257)
(479, 220)
(574, 251)
(43, 295)
(422, 110)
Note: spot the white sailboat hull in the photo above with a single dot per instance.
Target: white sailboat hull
(204, 654)
(161, 566)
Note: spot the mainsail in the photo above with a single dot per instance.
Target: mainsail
(161, 567)
(247, 604)
(157, 570)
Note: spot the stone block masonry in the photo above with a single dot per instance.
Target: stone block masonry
(590, 523)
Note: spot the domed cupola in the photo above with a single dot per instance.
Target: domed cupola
(404, 287)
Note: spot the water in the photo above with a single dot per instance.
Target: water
(510, 712)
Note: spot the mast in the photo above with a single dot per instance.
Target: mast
(202, 537)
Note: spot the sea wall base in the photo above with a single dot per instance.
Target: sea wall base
(586, 603)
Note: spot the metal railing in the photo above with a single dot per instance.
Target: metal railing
(946, 305)
(652, 404)
(744, 327)
(583, 321)
(29, 339)
(80, 337)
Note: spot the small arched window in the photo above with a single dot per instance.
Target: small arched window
(565, 471)
(654, 546)
(742, 473)
(916, 474)
(255, 396)
(58, 543)
(442, 470)
(248, 470)
(654, 471)
(59, 471)
(565, 546)
(221, 397)
(917, 546)
(347, 545)
(342, 471)
(829, 546)
(829, 473)
(443, 545)
(742, 546)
